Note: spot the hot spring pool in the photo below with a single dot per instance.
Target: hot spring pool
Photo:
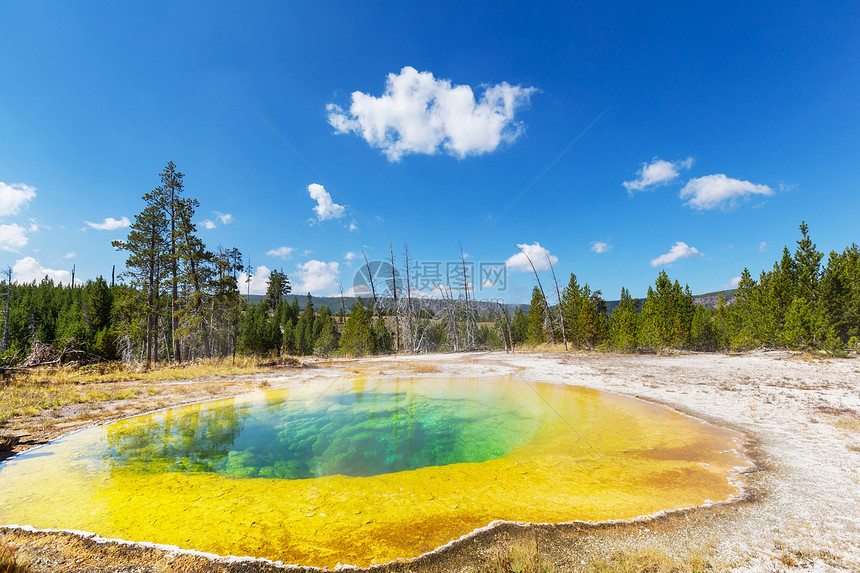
(364, 471)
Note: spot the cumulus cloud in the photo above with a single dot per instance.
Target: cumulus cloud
(326, 208)
(536, 253)
(208, 224)
(13, 237)
(655, 173)
(70, 255)
(762, 247)
(350, 255)
(734, 282)
(712, 191)
(259, 281)
(317, 277)
(110, 224)
(678, 251)
(225, 218)
(28, 269)
(353, 226)
(418, 113)
(282, 252)
(14, 196)
(600, 246)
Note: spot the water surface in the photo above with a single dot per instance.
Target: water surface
(365, 471)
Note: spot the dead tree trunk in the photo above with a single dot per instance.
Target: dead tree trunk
(470, 325)
(551, 336)
(560, 310)
(507, 326)
(394, 294)
(409, 301)
(370, 280)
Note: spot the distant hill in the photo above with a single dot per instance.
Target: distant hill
(435, 305)
(708, 300)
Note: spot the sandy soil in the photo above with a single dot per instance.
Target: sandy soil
(802, 504)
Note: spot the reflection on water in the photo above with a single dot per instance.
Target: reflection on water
(346, 430)
(366, 471)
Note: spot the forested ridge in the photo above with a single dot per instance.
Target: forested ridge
(178, 301)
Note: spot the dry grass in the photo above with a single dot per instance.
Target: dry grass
(34, 392)
(651, 560)
(24, 398)
(517, 557)
(117, 371)
(9, 562)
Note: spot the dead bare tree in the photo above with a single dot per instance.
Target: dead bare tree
(370, 279)
(409, 300)
(470, 323)
(506, 325)
(551, 329)
(558, 294)
(394, 295)
(451, 327)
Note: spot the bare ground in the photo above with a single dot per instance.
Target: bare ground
(802, 503)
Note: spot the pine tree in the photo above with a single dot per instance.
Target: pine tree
(807, 261)
(520, 326)
(571, 307)
(357, 338)
(624, 323)
(742, 320)
(168, 198)
(537, 318)
(277, 287)
(146, 270)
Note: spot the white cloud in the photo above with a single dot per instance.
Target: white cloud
(282, 252)
(536, 253)
(353, 226)
(27, 270)
(110, 224)
(225, 218)
(350, 255)
(208, 224)
(14, 196)
(418, 113)
(712, 191)
(70, 255)
(317, 277)
(13, 237)
(326, 208)
(259, 281)
(678, 251)
(656, 173)
(762, 247)
(734, 282)
(600, 247)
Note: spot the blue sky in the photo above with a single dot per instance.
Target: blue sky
(618, 140)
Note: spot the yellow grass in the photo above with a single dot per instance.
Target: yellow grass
(651, 560)
(35, 391)
(9, 562)
(518, 557)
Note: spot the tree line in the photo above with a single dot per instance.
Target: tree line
(799, 304)
(179, 301)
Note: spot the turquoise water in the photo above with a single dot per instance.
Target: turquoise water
(351, 429)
